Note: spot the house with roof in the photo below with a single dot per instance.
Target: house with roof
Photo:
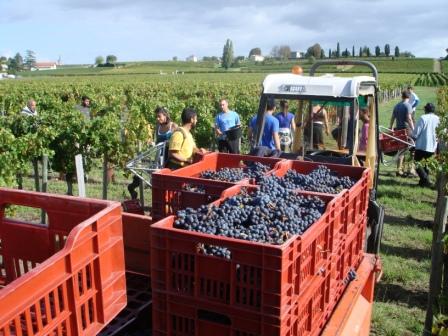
(45, 66)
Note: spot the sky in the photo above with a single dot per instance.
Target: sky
(145, 30)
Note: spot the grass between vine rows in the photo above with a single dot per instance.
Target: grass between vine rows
(400, 299)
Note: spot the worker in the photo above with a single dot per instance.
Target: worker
(413, 100)
(270, 137)
(225, 121)
(164, 126)
(182, 146)
(286, 126)
(30, 108)
(84, 107)
(425, 141)
(402, 117)
(319, 119)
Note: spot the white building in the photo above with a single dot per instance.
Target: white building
(45, 66)
(295, 55)
(192, 58)
(256, 58)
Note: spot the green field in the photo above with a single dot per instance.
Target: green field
(383, 64)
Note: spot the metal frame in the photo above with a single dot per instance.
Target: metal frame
(148, 162)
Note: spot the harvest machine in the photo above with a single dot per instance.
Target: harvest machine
(341, 98)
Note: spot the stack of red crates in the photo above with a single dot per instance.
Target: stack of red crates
(66, 277)
(263, 289)
(256, 292)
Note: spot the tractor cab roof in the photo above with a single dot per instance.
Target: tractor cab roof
(322, 86)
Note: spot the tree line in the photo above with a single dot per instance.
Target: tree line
(284, 52)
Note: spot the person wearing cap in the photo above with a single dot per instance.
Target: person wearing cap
(402, 117)
(425, 138)
(413, 100)
(286, 124)
(270, 137)
(224, 121)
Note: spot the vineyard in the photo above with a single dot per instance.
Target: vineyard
(432, 79)
(122, 107)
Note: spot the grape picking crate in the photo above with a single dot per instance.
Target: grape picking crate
(347, 257)
(64, 278)
(176, 315)
(173, 190)
(258, 277)
(353, 204)
(394, 141)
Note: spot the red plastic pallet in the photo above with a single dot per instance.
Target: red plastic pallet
(259, 277)
(64, 278)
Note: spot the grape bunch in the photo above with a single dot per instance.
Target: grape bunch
(267, 216)
(321, 179)
(254, 170)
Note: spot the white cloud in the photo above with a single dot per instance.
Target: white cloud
(160, 29)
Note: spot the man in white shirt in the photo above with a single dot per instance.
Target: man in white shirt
(425, 141)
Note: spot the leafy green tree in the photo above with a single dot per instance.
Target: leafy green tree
(387, 50)
(99, 60)
(353, 51)
(227, 54)
(30, 59)
(360, 52)
(397, 52)
(322, 53)
(338, 51)
(111, 59)
(16, 63)
(315, 50)
(377, 51)
(329, 53)
(255, 51)
(346, 53)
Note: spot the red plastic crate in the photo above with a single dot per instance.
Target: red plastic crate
(347, 257)
(391, 145)
(354, 202)
(173, 315)
(75, 277)
(259, 277)
(169, 193)
(137, 243)
(215, 161)
(313, 307)
(168, 186)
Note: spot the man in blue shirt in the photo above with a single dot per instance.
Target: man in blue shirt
(286, 124)
(402, 115)
(270, 136)
(225, 120)
(425, 141)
